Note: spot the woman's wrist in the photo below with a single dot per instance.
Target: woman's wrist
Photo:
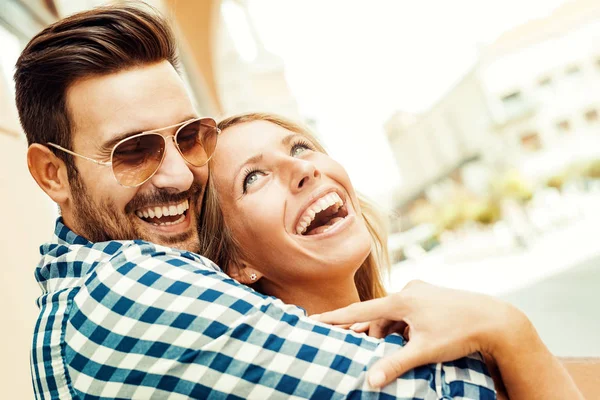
(519, 355)
(511, 333)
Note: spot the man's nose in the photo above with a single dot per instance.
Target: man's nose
(303, 174)
(174, 173)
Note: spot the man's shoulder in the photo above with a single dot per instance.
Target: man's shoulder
(72, 264)
(146, 261)
(67, 247)
(142, 251)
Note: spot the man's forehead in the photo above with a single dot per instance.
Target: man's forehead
(134, 100)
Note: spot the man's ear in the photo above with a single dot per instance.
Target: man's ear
(49, 171)
(243, 272)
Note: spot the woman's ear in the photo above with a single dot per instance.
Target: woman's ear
(244, 273)
(49, 172)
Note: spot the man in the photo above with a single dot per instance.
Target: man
(113, 141)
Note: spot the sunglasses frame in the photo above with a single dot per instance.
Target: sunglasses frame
(181, 125)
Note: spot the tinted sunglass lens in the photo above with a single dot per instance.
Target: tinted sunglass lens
(136, 159)
(197, 141)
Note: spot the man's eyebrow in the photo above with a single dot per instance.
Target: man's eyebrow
(107, 146)
(258, 157)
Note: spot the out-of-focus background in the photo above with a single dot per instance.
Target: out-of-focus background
(474, 124)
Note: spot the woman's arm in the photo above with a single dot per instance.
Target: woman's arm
(445, 324)
(586, 374)
(526, 366)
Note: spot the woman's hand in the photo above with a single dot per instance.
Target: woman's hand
(443, 324)
(440, 325)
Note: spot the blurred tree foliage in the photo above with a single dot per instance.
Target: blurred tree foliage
(463, 207)
(512, 185)
(457, 211)
(577, 170)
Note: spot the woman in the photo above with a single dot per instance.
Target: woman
(321, 270)
(292, 226)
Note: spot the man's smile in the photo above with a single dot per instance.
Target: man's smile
(168, 214)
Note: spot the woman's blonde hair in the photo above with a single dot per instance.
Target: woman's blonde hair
(218, 244)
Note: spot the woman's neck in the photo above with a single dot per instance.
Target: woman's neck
(316, 298)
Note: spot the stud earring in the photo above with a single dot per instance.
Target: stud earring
(253, 277)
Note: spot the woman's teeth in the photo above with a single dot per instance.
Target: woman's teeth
(330, 200)
(160, 212)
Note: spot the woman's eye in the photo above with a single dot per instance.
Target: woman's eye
(298, 149)
(251, 178)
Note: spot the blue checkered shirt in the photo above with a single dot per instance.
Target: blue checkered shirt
(131, 319)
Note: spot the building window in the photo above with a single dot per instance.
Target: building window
(563, 126)
(545, 82)
(512, 98)
(591, 116)
(514, 105)
(573, 70)
(530, 141)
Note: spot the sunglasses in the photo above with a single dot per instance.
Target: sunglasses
(134, 160)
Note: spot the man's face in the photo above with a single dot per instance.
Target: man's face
(125, 103)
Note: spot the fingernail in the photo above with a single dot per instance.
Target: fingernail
(354, 326)
(376, 378)
(315, 316)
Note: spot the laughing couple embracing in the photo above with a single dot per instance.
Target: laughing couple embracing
(149, 192)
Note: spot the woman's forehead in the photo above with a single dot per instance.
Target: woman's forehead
(255, 131)
(240, 141)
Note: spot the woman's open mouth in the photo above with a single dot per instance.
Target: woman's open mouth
(322, 215)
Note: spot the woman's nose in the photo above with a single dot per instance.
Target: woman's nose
(304, 173)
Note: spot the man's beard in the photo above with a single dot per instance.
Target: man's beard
(102, 221)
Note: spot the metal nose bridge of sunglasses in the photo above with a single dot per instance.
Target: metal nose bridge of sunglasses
(157, 167)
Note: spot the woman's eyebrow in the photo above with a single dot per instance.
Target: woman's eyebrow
(288, 139)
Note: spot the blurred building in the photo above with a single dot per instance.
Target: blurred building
(542, 81)
(431, 148)
(531, 102)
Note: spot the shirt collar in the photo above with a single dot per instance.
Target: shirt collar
(64, 235)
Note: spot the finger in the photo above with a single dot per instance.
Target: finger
(344, 326)
(395, 365)
(406, 332)
(386, 307)
(360, 327)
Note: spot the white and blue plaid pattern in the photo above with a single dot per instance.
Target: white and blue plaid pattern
(131, 319)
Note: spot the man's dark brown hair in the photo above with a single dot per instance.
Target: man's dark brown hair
(91, 43)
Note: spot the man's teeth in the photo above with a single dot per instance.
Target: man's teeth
(317, 206)
(165, 211)
(180, 219)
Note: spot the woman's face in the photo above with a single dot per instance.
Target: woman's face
(292, 209)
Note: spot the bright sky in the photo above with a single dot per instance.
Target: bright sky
(8, 57)
(351, 64)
